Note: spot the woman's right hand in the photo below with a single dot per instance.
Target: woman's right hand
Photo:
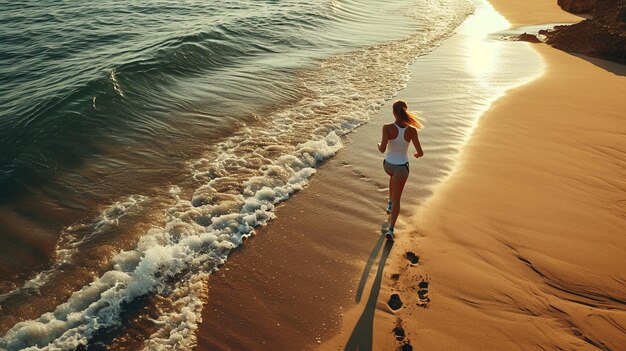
(418, 154)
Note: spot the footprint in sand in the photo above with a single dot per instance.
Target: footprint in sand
(394, 302)
(413, 258)
(422, 292)
(400, 335)
(398, 331)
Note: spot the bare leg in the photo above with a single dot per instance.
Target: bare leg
(390, 187)
(398, 185)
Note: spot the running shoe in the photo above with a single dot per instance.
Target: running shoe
(389, 234)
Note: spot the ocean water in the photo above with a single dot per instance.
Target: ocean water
(140, 143)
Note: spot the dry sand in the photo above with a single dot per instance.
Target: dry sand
(521, 13)
(525, 244)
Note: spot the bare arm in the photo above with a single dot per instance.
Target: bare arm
(382, 146)
(418, 147)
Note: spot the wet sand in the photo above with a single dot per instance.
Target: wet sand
(313, 276)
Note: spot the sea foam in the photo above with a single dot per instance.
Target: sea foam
(182, 251)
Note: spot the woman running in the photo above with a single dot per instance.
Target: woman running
(398, 135)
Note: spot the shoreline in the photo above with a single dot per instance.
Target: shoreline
(300, 279)
(523, 243)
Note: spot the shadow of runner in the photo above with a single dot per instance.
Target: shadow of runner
(362, 335)
(368, 267)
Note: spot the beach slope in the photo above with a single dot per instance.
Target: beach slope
(523, 246)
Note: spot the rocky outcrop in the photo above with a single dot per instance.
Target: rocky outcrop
(577, 6)
(531, 38)
(602, 36)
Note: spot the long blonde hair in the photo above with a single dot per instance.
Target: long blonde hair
(400, 110)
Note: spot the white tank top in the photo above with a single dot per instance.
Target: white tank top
(397, 148)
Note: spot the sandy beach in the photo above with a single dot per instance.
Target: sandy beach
(520, 247)
(523, 244)
(206, 176)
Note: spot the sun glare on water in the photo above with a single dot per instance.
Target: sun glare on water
(483, 55)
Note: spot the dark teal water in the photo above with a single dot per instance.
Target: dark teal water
(74, 76)
(140, 142)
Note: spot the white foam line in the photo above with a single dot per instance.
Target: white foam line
(115, 84)
(164, 254)
(69, 244)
